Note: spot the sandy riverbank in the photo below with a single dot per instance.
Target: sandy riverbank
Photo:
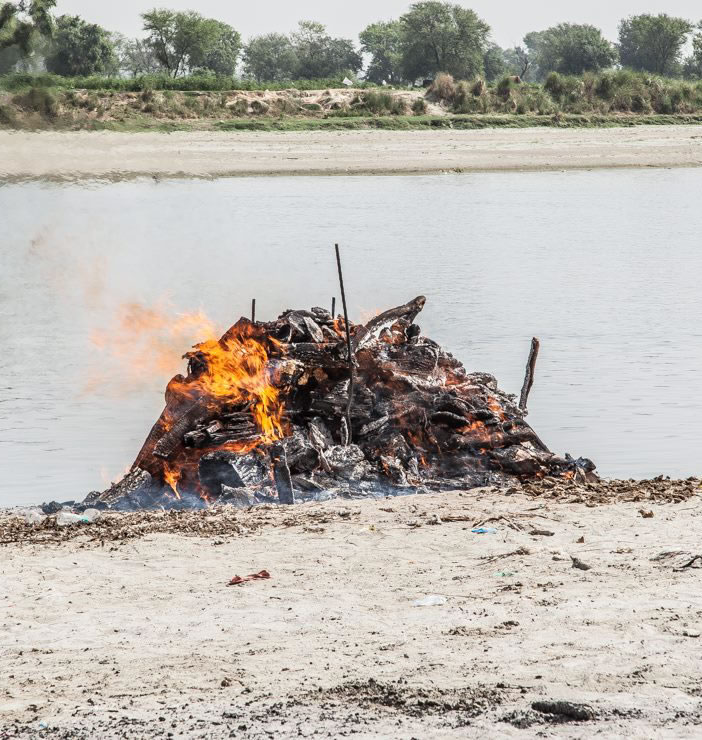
(143, 636)
(111, 155)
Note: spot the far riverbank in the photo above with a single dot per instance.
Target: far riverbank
(79, 155)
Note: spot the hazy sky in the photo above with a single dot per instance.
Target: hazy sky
(509, 19)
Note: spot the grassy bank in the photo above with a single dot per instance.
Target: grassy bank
(619, 98)
(452, 122)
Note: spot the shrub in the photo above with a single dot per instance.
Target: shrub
(419, 107)
(380, 103)
(443, 88)
(7, 116)
(555, 85)
(478, 88)
(504, 87)
(37, 100)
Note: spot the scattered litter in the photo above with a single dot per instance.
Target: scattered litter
(578, 563)
(646, 514)
(581, 540)
(89, 516)
(434, 519)
(679, 559)
(541, 533)
(518, 551)
(691, 563)
(431, 600)
(67, 518)
(565, 709)
(483, 530)
(43, 725)
(505, 574)
(32, 516)
(691, 633)
(668, 554)
(263, 574)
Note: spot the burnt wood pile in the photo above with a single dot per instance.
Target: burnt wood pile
(262, 416)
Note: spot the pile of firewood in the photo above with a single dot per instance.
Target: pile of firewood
(275, 411)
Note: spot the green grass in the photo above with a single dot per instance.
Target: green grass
(145, 122)
(480, 121)
(202, 83)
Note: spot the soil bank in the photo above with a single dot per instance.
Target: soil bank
(75, 155)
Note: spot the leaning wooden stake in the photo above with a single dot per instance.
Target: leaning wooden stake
(253, 310)
(529, 374)
(348, 342)
(281, 474)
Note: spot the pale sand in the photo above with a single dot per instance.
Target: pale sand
(137, 639)
(81, 154)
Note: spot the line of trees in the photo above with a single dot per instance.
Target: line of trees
(431, 37)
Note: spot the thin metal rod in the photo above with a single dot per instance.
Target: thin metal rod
(333, 306)
(348, 339)
(529, 374)
(253, 310)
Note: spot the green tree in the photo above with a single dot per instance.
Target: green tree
(271, 58)
(135, 56)
(24, 27)
(21, 21)
(80, 48)
(495, 64)
(187, 42)
(693, 64)
(570, 49)
(382, 41)
(223, 50)
(442, 37)
(319, 55)
(653, 42)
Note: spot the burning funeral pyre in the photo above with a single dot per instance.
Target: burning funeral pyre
(274, 411)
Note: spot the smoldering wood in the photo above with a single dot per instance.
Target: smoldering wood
(408, 311)
(172, 439)
(281, 475)
(529, 374)
(417, 419)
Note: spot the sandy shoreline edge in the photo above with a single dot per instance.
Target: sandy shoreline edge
(342, 637)
(76, 155)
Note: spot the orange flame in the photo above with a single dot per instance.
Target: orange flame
(172, 477)
(236, 371)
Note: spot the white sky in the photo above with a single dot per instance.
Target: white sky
(509, 19)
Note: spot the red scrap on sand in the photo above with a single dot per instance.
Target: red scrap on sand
(252, 577)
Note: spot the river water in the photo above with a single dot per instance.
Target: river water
(605, 267)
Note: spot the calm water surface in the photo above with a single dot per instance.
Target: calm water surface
(604, 267)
